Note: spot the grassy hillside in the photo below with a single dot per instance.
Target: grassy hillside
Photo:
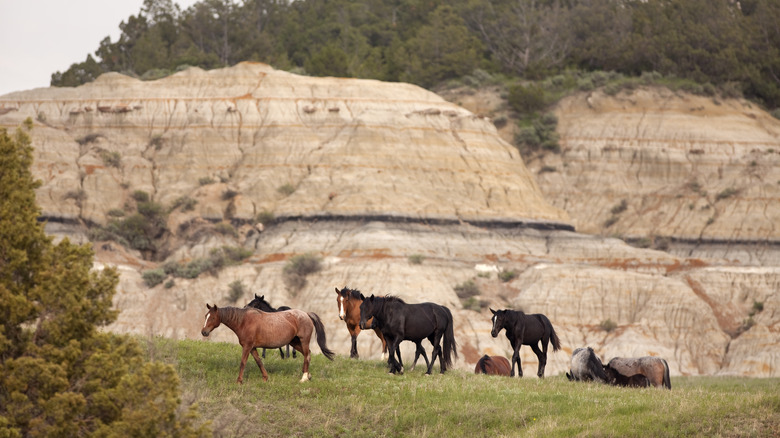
(358, 398)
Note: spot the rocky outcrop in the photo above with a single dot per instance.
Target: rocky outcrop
(365, 174)
(699, 174)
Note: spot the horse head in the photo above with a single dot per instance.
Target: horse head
(259, 302)
(212, 320)
(498, 321)
(367, 310)
(342, 298)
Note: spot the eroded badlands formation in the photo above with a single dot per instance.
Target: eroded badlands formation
(365, 174)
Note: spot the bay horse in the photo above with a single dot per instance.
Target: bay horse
(493, 365)
(399, 321)
(654, 368)
(261, 304)
(522, 329)
(349, 301)
(257, 329)
(586, 366)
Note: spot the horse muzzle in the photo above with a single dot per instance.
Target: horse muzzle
(494, 333)
(205, 332)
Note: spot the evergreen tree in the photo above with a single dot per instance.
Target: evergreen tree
(60, 376)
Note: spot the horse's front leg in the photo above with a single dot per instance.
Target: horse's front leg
(516, 361)
(260, 364)
(542, 356)
(244, 357)
(384, 342)
(393, 364)
(353, 354)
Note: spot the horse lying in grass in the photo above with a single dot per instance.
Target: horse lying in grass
(655, 369)
(616, 379)
(493, 365)
(257, 329)
(586, 366)
(522, 329)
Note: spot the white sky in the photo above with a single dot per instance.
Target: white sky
(40, 37)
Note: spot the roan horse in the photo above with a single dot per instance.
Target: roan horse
(399, 321)
(257, 329)
(493, 365)
(349, 301)
(586, 366)
(654, 368)
(522, 329)
(261, 304)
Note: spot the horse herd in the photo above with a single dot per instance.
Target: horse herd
(259, 325)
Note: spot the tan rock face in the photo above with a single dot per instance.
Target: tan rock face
(342, 147)
(688, 167)
(366, 174)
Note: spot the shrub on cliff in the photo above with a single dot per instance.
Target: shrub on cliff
(296, 270)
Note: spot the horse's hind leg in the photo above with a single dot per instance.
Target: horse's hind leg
(420, 351)
(303, 347)
(435, 340)
(260, 364)
(542, 356)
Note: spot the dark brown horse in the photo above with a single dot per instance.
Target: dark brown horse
(654, 368)
(522, 329)
(349, 301)
(260, 303)
(257, 329)
(493, 365)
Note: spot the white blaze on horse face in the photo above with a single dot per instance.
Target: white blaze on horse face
(205, 323)
(342, 314)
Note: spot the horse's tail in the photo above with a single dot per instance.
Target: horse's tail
(667, 380)
(482, 364)
(450, 346)
(321, 341)
(556, 343)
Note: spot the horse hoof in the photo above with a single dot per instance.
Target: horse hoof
(306, 377)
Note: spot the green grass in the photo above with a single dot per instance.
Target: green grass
(358, 398)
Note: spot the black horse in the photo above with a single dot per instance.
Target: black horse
(261, 304)
(522, 329)
(400, 321)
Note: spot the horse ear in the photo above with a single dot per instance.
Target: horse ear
(256, 297)
(362, 298)
(337, 290)
(207, 306)
(492, 311)
(371, 298)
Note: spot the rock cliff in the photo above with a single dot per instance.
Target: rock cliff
(365, 174)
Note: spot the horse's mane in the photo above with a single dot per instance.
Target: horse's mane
(234, 315)
(353, 293)
(392, 298)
